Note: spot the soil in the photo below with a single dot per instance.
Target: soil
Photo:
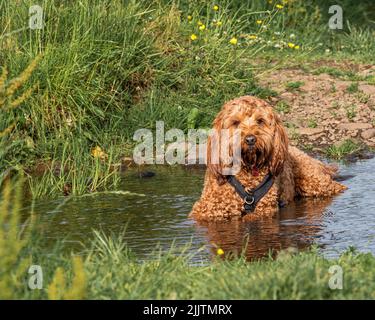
(320, 109)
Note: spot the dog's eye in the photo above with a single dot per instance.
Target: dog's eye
(260, 121)
(235, 123)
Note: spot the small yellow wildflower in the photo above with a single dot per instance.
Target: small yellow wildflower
(233, 41)
(252, 37)
(220, 252)
(259, 21)
(279, 6)
(219, 23)
(202, 27)
(97, 152)
(216, 7)
(296, 47)
(193, 37)
(200, 23)
(291, 45)
(189, 18)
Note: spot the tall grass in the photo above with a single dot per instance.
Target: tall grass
(111, 67)
(17, 255)
(10, 100)
(108, 270)
(13, 264)
(300, 276)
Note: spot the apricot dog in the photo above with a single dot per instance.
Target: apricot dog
(265, 155)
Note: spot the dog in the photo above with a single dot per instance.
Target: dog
(272, 173)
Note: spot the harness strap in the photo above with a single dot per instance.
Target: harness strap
(251, 197)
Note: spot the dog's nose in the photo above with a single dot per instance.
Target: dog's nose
(250, 140)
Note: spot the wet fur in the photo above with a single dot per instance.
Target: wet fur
(296, 173)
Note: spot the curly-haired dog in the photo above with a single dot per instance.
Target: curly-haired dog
(272, 172)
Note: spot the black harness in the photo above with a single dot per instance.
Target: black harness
(251, 197)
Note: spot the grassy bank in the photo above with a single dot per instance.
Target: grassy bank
(107, 269)
(107, 68)
(301, 276)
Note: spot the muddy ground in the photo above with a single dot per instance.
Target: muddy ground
(325, 103)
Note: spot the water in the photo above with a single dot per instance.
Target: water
(159, 218)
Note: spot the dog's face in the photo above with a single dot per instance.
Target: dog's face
(263, 139)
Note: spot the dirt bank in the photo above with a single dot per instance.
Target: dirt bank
(325, 103)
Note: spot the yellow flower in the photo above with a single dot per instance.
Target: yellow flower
(252, 37)
(216, 7)
(202, 27)
(189, 18)
(193, 37)
(270, 1)
(200, 23)
(279, 6)
(296, 47)
(219, 23)
(220, 252)
(233, 41)
(259, 21)
(97, 152)
(291, 45)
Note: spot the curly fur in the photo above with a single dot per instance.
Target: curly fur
(296, 173)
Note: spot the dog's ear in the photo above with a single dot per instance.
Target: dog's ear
(280, 148)
(214, 163)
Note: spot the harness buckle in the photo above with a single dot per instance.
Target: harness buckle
(249, 200)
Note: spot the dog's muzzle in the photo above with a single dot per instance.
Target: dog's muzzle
(251, 140)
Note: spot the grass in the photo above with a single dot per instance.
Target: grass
(73, 93)
(351, 112)
(363, 97)
(282, 107)
(333, 88)
(307, 147)
(342, 150)
(311, 123)
(339, 73)
(301, 276)
(294, 85)
(107, 269)
(352, 88)
(126, 65)
(348, 75)
(371, 79)
(12, 261)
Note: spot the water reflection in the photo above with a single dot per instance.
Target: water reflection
(296, 226)
(160, 217)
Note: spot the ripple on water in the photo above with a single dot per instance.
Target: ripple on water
(161, 217)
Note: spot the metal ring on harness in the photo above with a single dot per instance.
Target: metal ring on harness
(249, 202)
